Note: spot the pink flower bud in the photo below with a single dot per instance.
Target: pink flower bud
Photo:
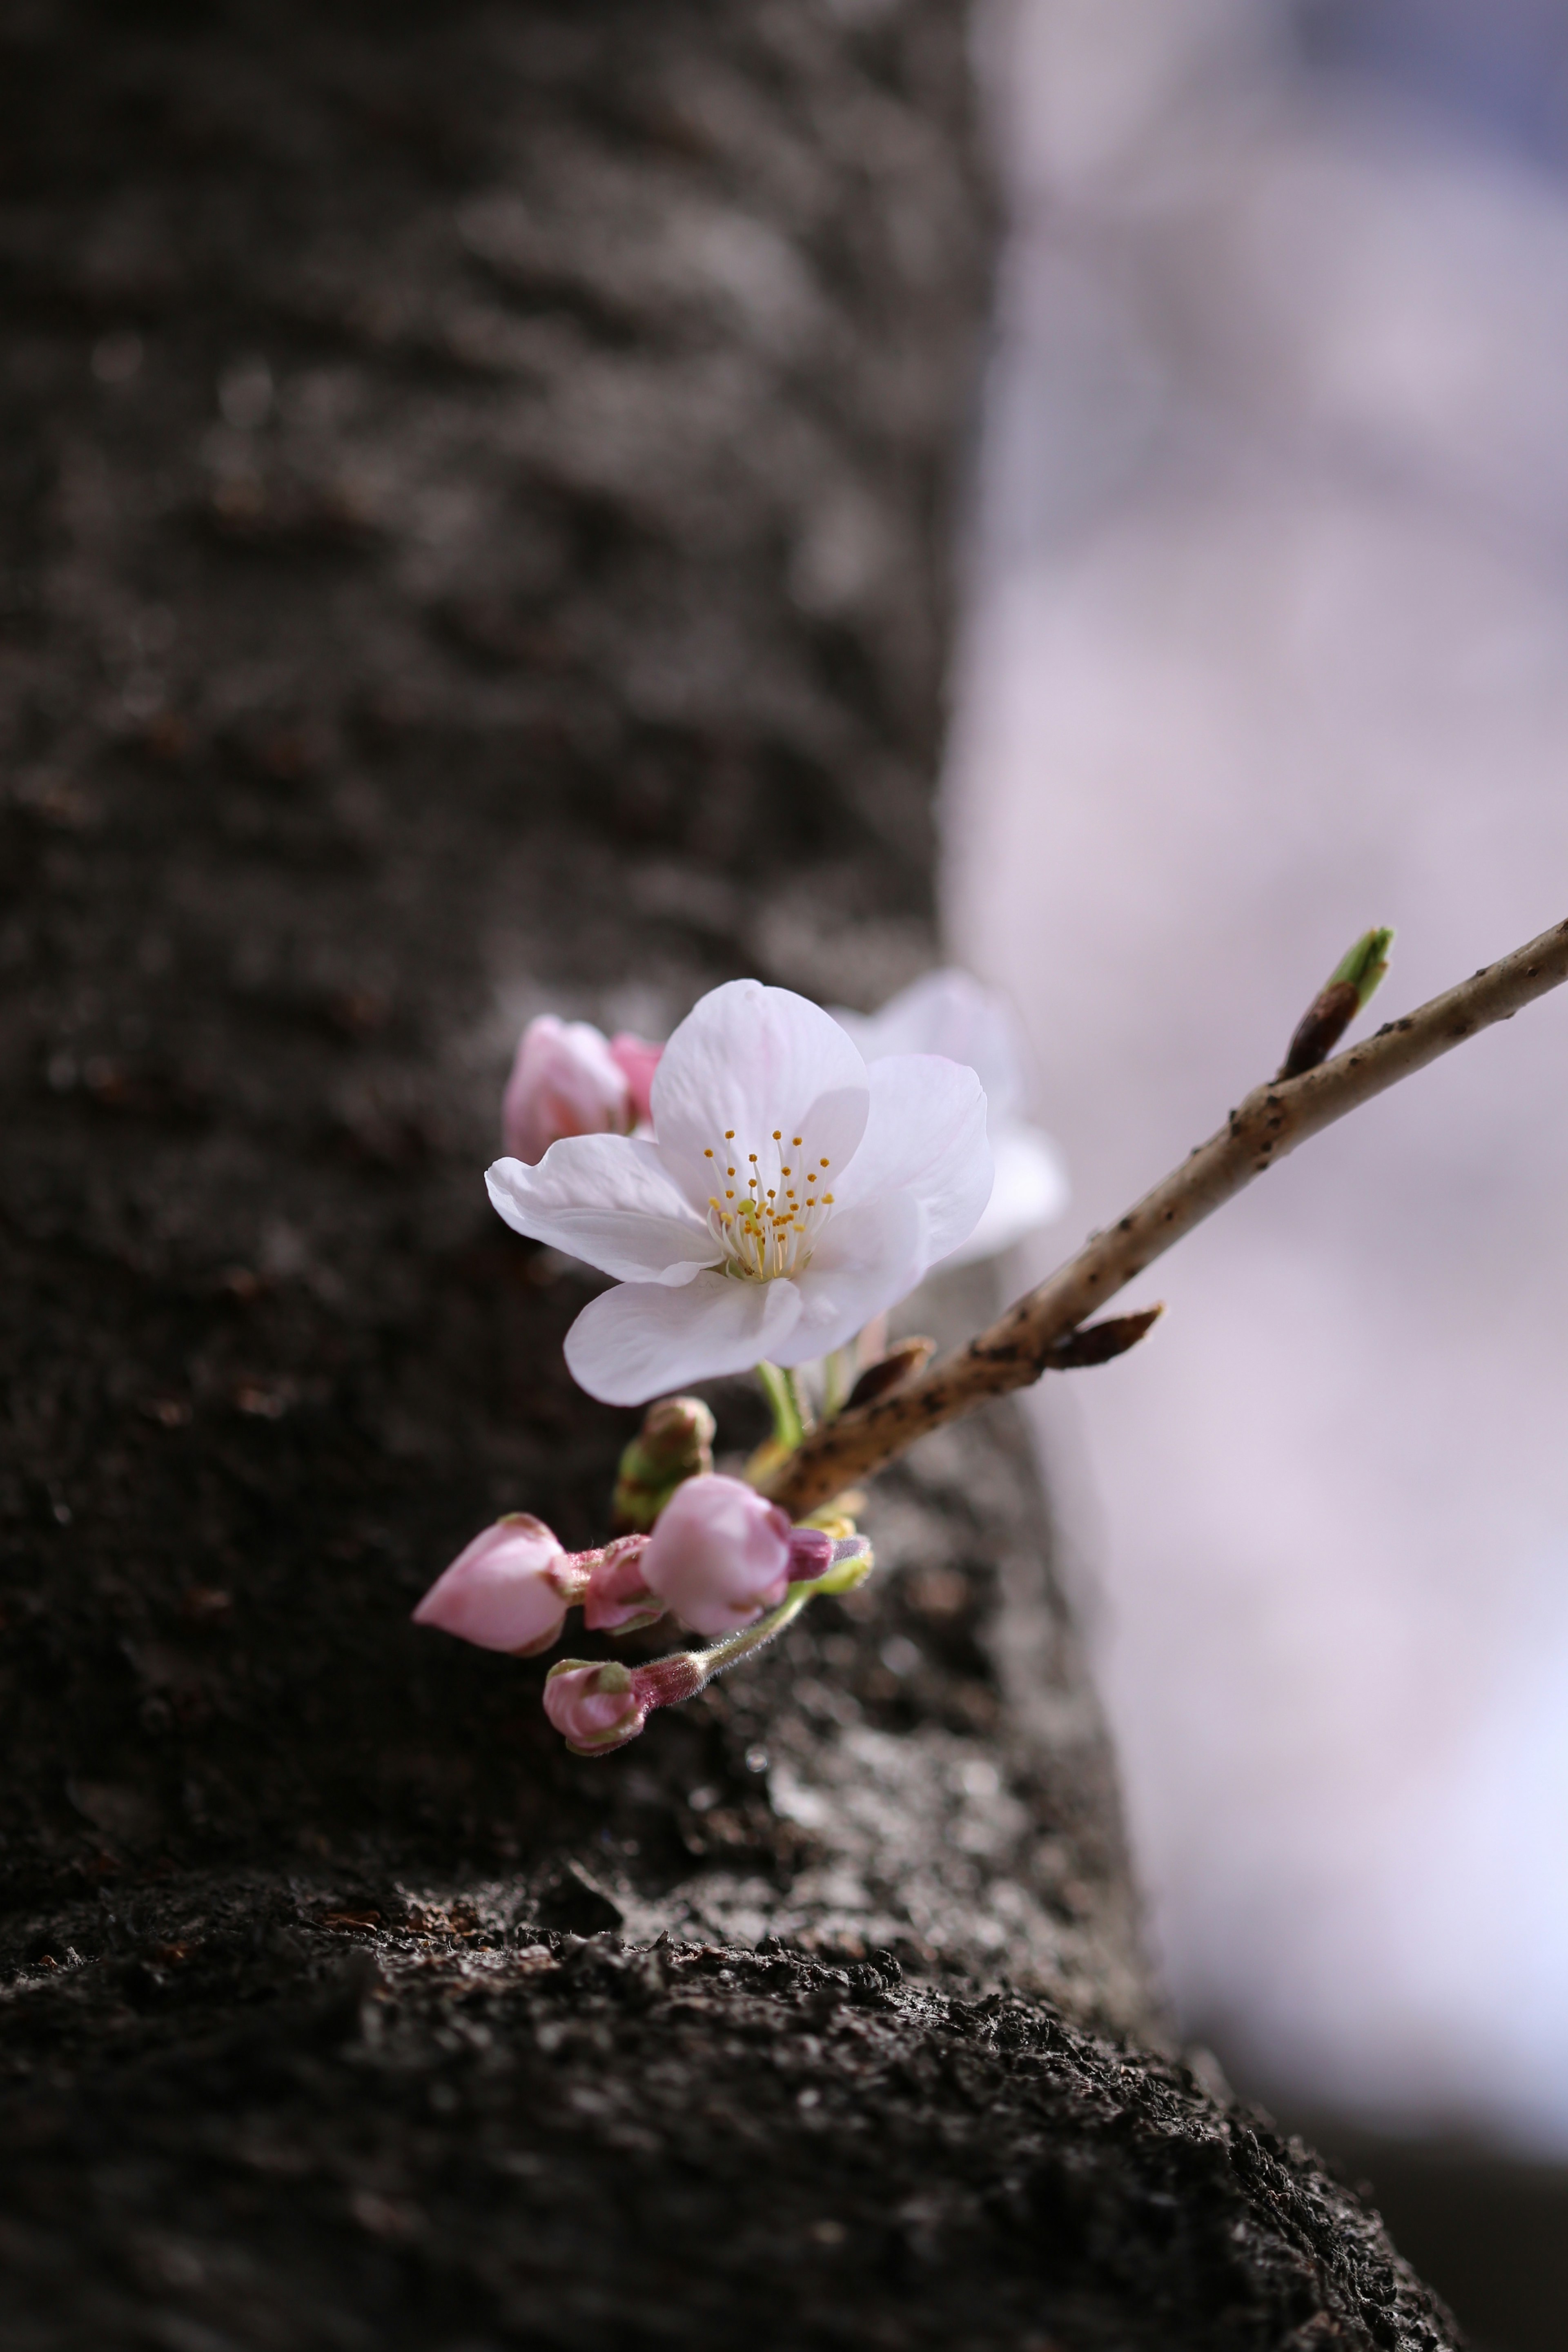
(719, 1554)
(564, 1081)
(509, 1590)
(617, 1599)
(811, 1552)
(595, 1707)
(638, 1061)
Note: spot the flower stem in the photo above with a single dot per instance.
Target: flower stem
(783, 1395)
(837, 1379)
(851, 1566)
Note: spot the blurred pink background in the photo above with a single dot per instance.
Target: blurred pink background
(1267, 642)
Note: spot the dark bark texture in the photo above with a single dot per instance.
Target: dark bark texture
(475, 486)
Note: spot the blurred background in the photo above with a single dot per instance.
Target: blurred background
(1267, 642)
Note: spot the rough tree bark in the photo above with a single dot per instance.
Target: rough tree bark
(476, 487)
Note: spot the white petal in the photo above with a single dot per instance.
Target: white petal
(926, 1135)
(755, 1059)
(948, 1012)
(641, 1340)
(608, 1199)
(868, 1259)
(1031, 1190)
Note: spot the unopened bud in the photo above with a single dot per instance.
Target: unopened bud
(674, 1444)
(617, 1599)
(1101, 1343)
(593, 1707)
(1348, 990)
(901, 1362)
(564, 1081)
(638, 1061)
(600, 1707)
(720, 1555)
(510, 1590)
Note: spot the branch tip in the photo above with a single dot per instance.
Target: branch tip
(1348, 990)
(1023, 1343)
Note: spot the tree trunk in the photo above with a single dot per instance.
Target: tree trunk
(478, 484)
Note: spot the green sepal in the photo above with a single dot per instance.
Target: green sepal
(674, 1444)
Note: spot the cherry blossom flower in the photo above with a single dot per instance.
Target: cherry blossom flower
(510, 1590)
(787, 1195)
(721, 1553)
(949, 1013)
(569, 1078)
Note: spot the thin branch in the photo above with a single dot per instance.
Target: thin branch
(1029, 1337)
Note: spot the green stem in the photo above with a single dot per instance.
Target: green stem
(783, 1396)
(720, 1655)
(837, 1379)
(843, 1577)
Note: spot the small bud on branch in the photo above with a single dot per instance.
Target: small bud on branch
(1348, 990)
(1101, 1343)
(674, 1444)
(900, 1364)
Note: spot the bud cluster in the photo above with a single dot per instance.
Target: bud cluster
(721, 1558)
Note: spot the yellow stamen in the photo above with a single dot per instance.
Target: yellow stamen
(767, 1233)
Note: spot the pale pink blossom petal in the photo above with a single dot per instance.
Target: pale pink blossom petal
(565, 1080)
(925, 1136)
(610, 1199)
(755, 1063)
(1031, 1190)
(630, 1342)
(867, 1256)
(719, 1554)
(950, 1013)
(637, 1060)
(504, 1591)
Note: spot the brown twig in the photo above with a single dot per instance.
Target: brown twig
(1273, 1119)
